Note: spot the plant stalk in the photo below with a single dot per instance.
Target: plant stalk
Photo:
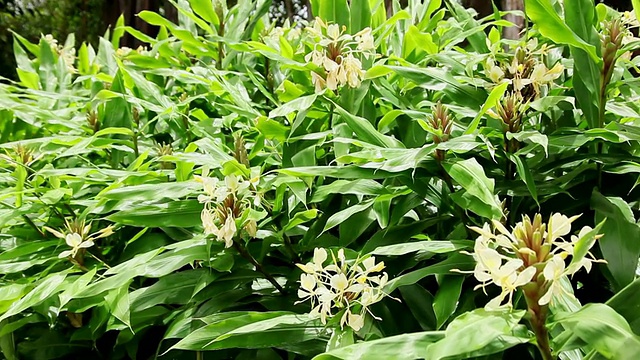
(538, 317)
(33, 225)
(511, 147)
(600, 144)
(245, 254)
(26, 219)
(289, 246)
(220, 45)
(463, 216)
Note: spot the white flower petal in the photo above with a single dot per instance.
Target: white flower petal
(73, 239)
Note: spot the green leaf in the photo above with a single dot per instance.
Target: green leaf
(342, 215)
(10, 327)
(442, 80)
(580, 17)
(355, 187)
(175, 213)
(525, 175)
(152, 192)
(457, 261)
(619, 243)
(366, 131)
(532, 137)
(76, 287)
(420, 303)
(7, 345)
(344, 172)
(334, 11)
(479, 333)
(494, 97)
(582, 247)
(603, 329)
(625, 303)
(204, 8)
(431, 246)
(470, 175)
(118, 31)
(360, 15)
(300, 104)
(279, 331)
(44, 290)
(272, 129)
(174, 289)
(118, 303)
(416, 45)
(399, 347)
(301, 218)
(238, 329)
(446, 299)
(473, 334)
(551, 26)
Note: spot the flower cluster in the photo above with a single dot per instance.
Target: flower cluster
(68, 53)
(525, 73)
(439, 124)
(76, 235)
(124, 51)
(272, 36)
(337, 54)
(531, 256)
(19, 155)
(350, 288)
(227, 207)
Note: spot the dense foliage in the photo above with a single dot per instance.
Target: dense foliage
(355, 187)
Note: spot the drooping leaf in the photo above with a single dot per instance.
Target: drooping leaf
(619, 242)
(550, 25)
(603, 329)
(45, 288)
(470, 175)
(446, 299)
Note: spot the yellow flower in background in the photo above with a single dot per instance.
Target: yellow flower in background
(339, 55)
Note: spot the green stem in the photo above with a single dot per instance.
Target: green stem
(289, 246)
(538, 317)
(600, 144)
(135, 143)
(460, 211)
(220, 46)
(508, 175)
(245, 254)
(99, 260)
(26, 219)
(69, 209)
(33, 225)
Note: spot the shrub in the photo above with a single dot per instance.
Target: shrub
(339, 189)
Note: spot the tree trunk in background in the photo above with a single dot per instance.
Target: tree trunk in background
(388, 5)
(482, 7)
(140, 5)
(310, 13)
(130, 9)
(513, 32)
(170, 12)
(288, 4)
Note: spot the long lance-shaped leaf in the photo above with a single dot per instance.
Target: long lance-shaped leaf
(551, 26)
